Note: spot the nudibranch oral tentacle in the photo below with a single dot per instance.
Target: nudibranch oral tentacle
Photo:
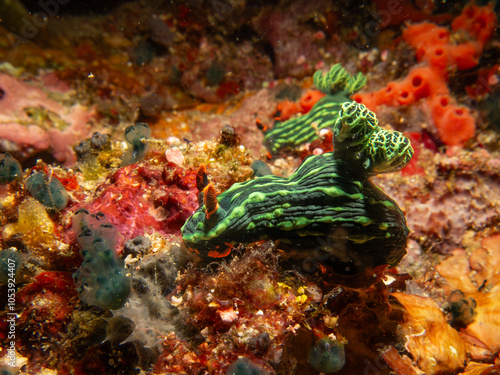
(328, 204)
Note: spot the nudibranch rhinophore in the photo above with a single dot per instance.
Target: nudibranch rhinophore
(327, 207)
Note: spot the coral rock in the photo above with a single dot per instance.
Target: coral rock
(435, 346)
(477, 277)
(147, 197)
(34, 226)
(26, 137)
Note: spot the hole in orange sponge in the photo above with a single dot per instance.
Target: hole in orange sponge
(439, 52)
(309, 99)
(439, 105)
(417, 81)
(406, 96)
(481, 22)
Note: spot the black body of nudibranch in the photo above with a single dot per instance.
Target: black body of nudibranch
(328, 207)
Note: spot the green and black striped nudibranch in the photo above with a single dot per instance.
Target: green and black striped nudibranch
(328, 204)
(337, 84)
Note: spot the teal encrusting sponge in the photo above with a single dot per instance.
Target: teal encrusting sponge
(327, 356)
(47, 190)
(135, 136)
(101, 278)
(245, 366)
(11, 262)
(10, 168)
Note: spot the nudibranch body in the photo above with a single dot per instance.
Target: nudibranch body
(328, 205)
(337, 84)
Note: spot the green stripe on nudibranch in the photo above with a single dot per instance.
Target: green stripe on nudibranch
(303, 129)
(337, 84)
(328, 203)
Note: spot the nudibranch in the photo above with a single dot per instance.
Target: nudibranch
(328, 207)
(337, 84)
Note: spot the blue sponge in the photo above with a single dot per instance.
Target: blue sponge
(47, 190)
(101, 278)
(10, 168)
(134, 136)
(327, 356)
(245, 366)
(11, 261)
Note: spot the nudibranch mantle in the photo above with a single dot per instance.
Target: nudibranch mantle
(328, 204)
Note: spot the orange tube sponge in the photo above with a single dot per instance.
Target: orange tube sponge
(438, 56)
(422, 35)
(455, 126)
(309, 99)
(387, 95)
(432, 43)
(369, 99)
(439, 104)
(287, 109)
(441, 56)
(465, 55)
(479, 22)
(421, 82)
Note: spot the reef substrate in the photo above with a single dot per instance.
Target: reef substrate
(120, 126)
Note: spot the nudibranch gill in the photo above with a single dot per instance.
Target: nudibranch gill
(327, 206)
(337, 84)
